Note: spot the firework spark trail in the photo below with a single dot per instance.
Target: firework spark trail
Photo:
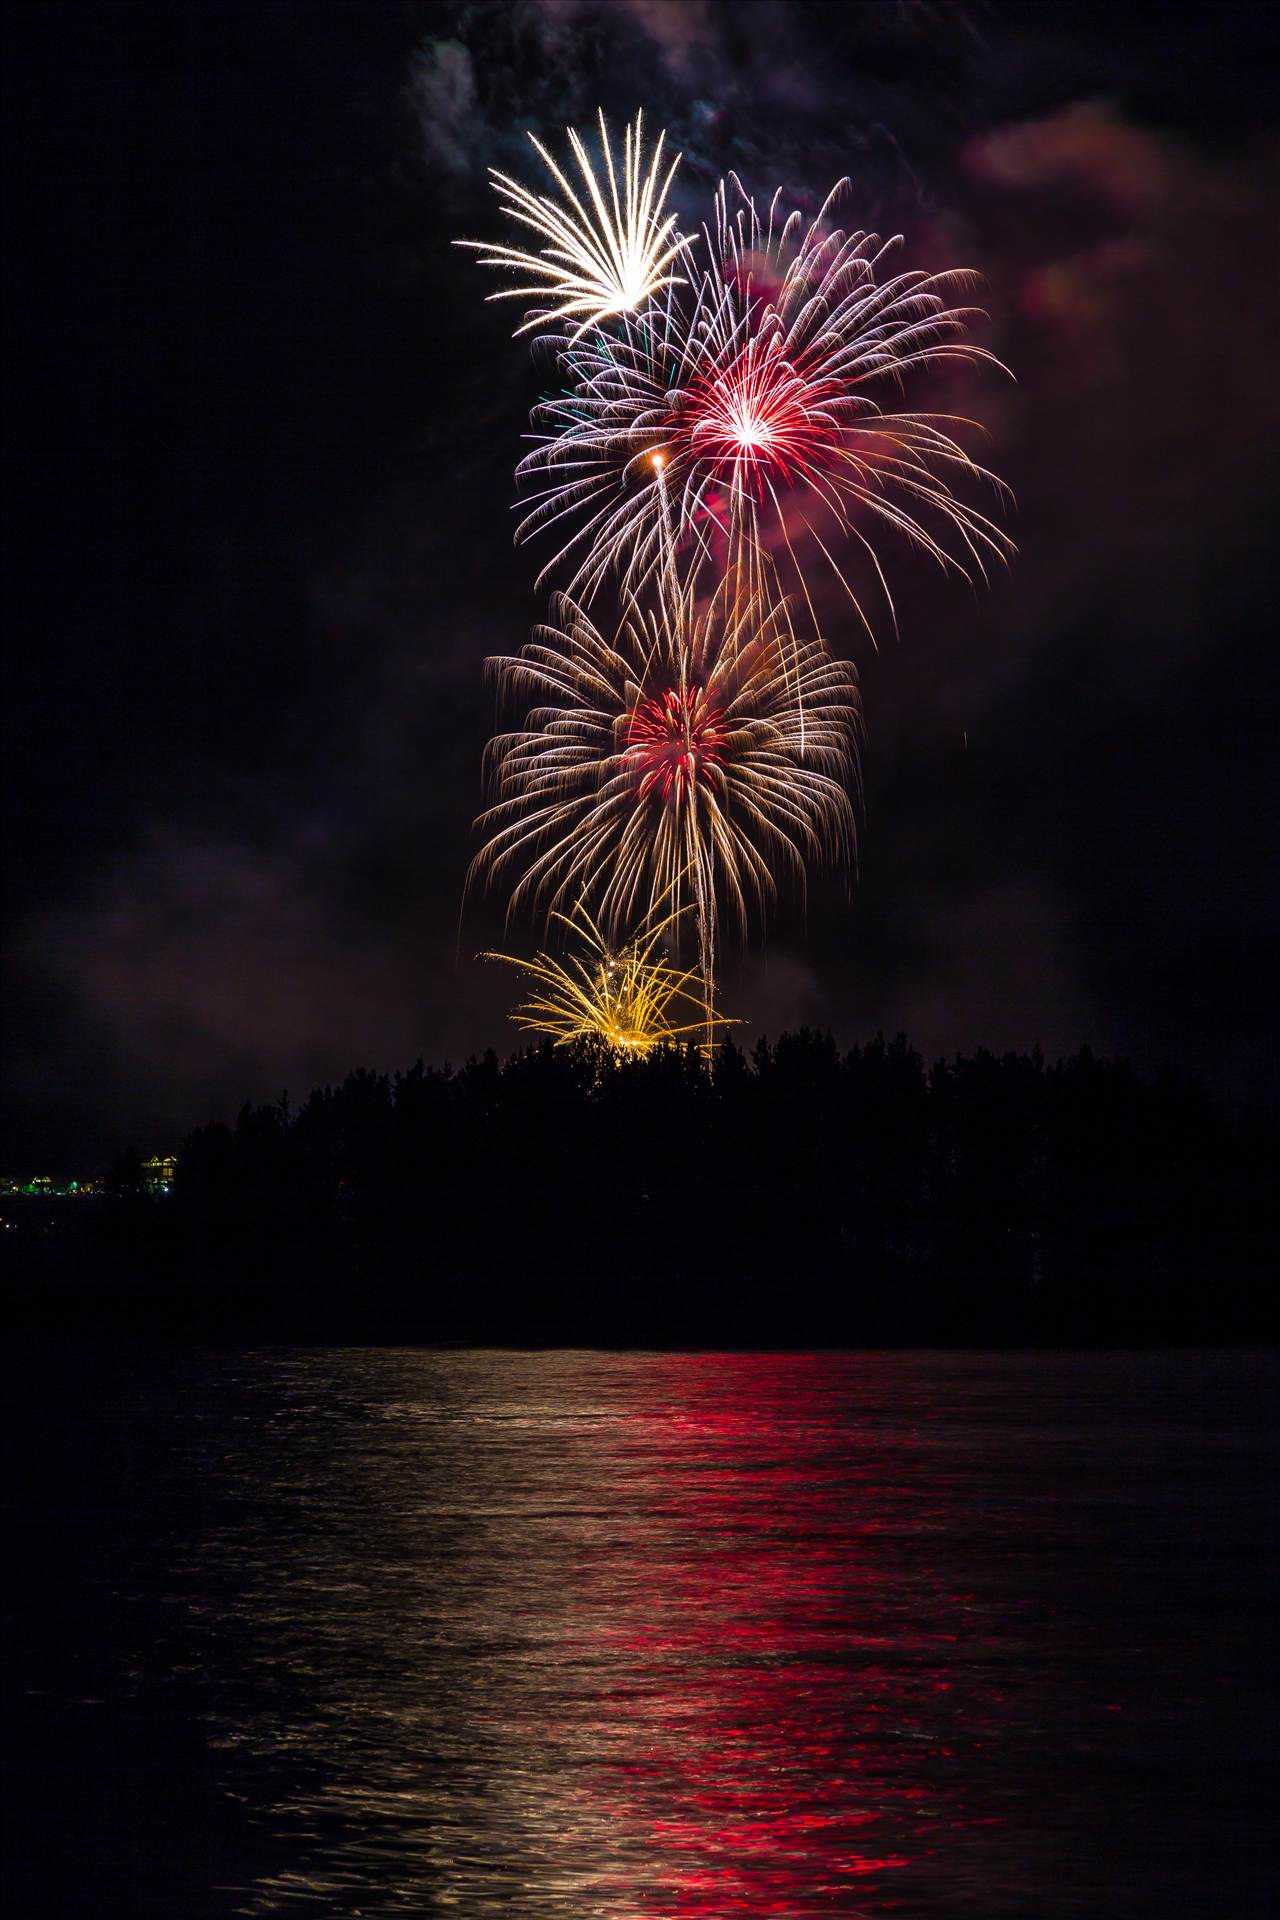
(629, 996)
(725, 413)
(604, 258)
(699, 755)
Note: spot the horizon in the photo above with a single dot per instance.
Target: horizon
(155, 1150)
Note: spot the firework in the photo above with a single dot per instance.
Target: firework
(606, 252)
(629, 997)
(698, 756)
(731, 406)
(760, 407)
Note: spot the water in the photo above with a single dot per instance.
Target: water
(571, 1634)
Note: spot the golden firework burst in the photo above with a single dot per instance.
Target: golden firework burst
(629, 997)
(699, 755)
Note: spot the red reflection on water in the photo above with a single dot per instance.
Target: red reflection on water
(787, 1744)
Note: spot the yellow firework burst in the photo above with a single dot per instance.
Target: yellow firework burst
(608, 245)
(627, 996)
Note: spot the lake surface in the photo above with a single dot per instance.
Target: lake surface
(634, 1635)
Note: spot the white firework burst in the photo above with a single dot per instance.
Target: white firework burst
(608, 247)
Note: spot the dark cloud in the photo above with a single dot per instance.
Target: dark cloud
(442, 86)
(229, 955)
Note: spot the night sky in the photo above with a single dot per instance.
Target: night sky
(261, 427)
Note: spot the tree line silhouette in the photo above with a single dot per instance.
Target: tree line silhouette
(795, 1195)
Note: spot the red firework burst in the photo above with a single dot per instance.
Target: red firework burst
(762, 414)
(674, 739)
